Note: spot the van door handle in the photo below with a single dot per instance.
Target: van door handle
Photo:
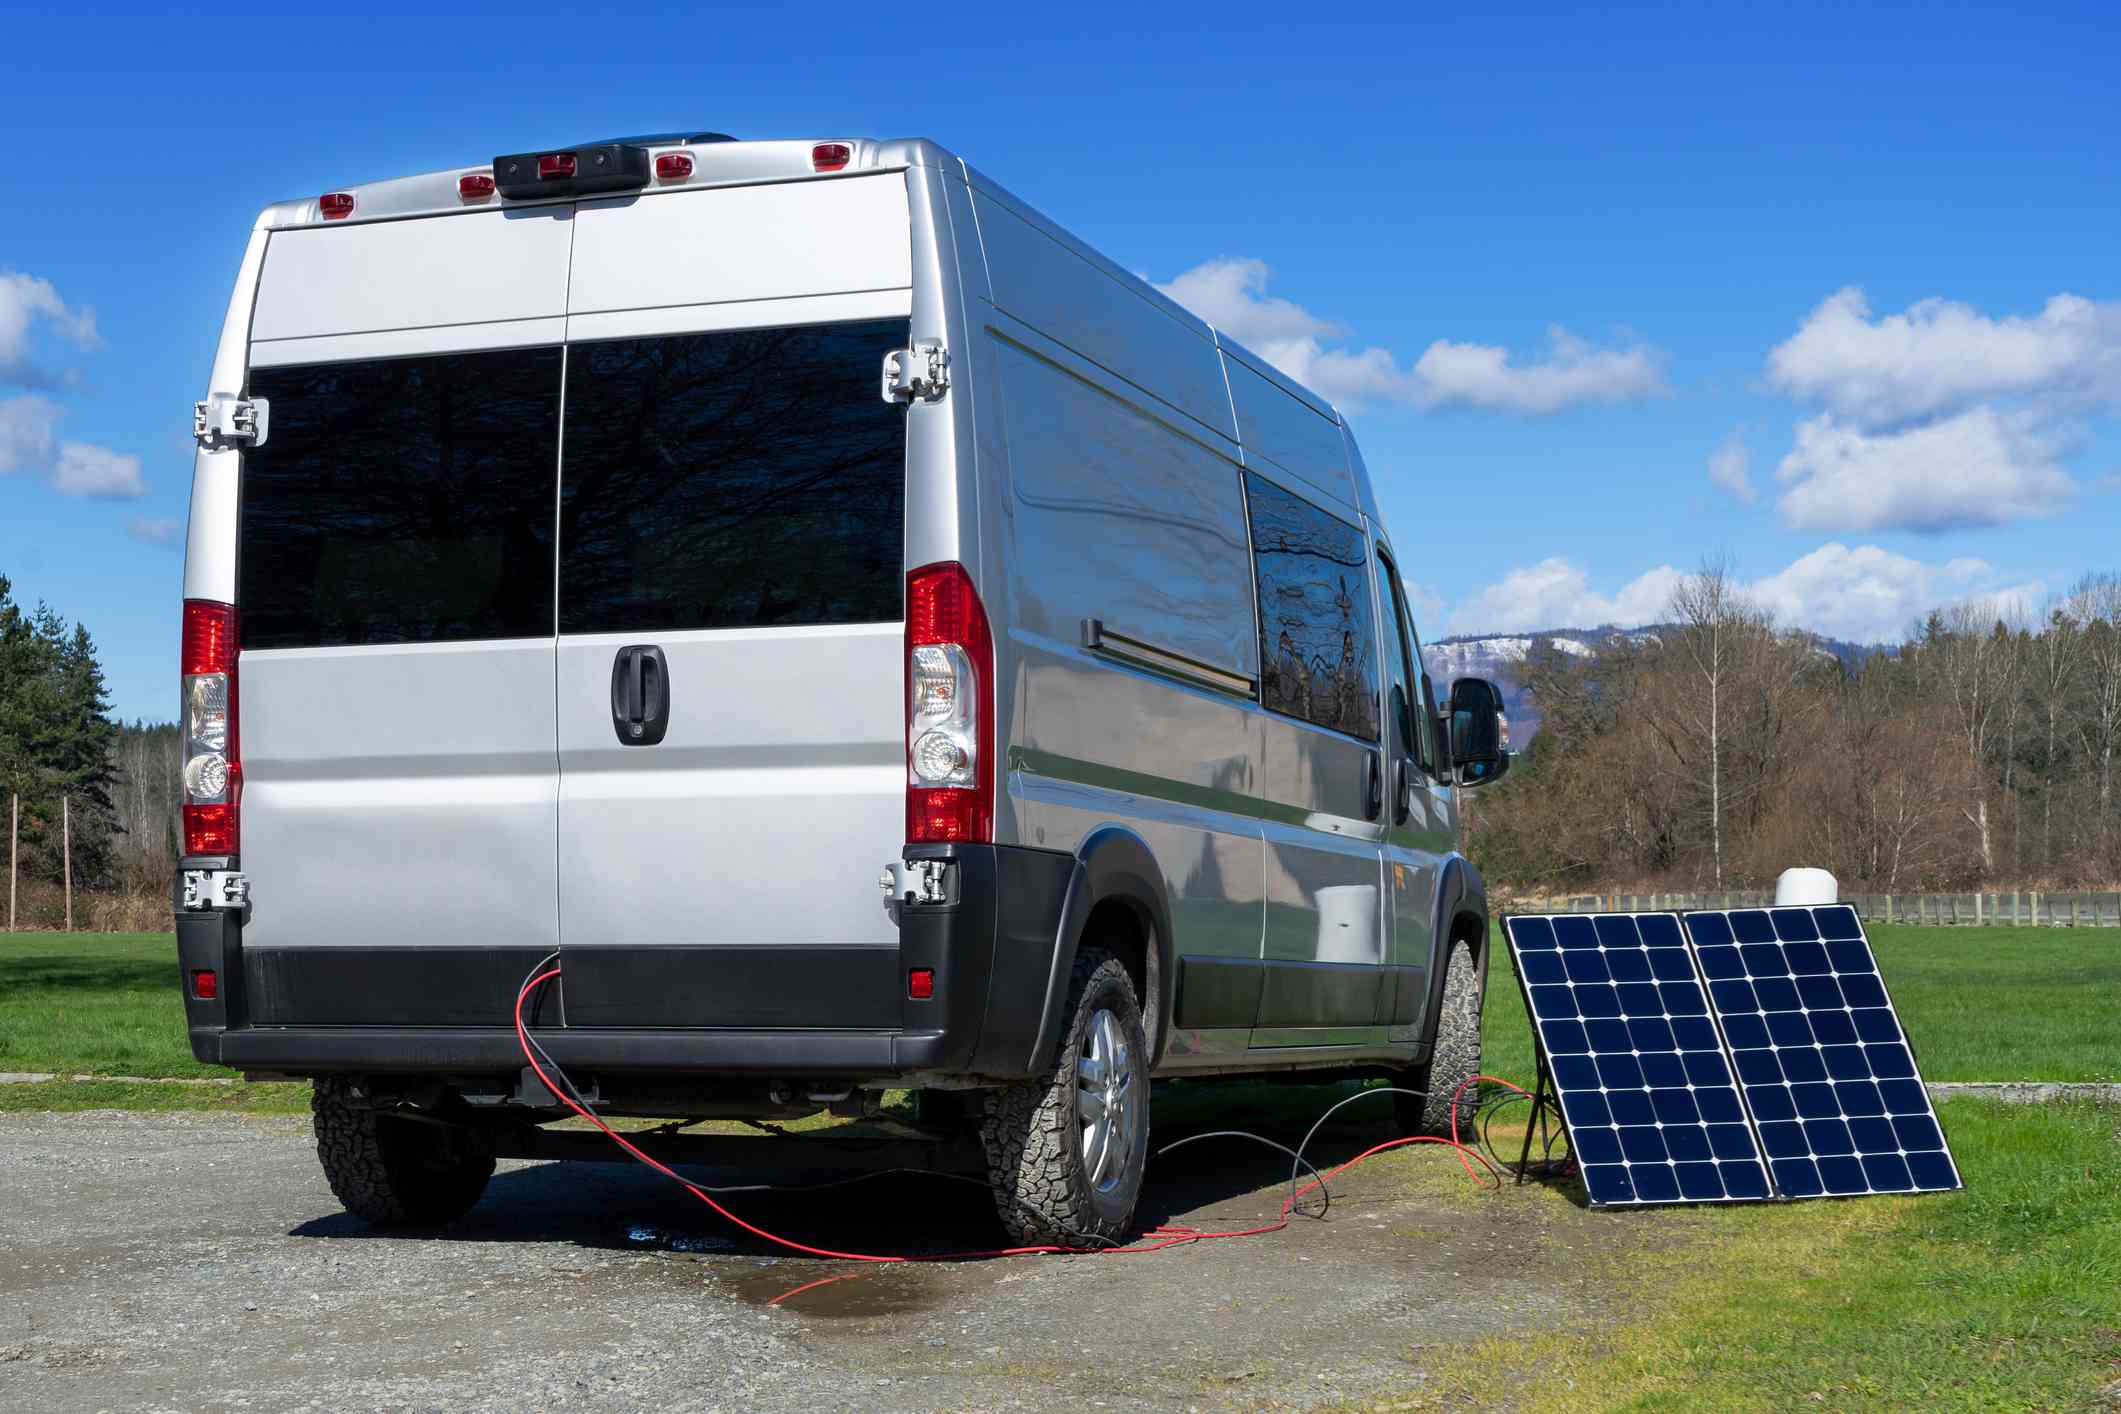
(640, 695)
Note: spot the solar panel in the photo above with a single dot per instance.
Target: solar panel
(1644, 1081)
(1819, 1052)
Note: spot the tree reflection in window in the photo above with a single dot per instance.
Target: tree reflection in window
(1318, 659)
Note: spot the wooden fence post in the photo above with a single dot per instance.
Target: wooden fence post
(14, 827)
(66, 854)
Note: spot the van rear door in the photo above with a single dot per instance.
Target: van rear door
(396, 607)
(731, 583)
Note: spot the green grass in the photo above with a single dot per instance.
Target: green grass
(1978, 1003)
(93, 1004)
(69, 1095)
(2000, 1297)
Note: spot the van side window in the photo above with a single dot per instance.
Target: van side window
(730, 480)
(404, 500)
(1404, 705)
(1318, 640)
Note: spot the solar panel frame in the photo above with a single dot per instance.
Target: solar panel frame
(1824, 1066)
(1594, 1003)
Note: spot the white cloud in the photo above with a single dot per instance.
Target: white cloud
(27, 432)
(24, 299)
(1941, 356)
(97, 473)
(1865, 594)
(29, 444)
(1730, 467)
(1575, 374)
(1980, 467)
(1557, 594)
(1872, 595)
(155, 530)
(1231, 293)
(1423, 602)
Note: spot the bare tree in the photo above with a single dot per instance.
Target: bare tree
(2097, 601)
(1969, 651)
(2054, 665)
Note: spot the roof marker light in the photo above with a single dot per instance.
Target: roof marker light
(830, 156)
(475, 186)
(554, 166)
(335, 205)
(673, 166)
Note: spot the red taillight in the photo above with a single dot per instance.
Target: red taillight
(673, 166)
(475, 186)
(830, 157)
(212, 780)
(335, 205)
(209, 637)
(920, 983)
(205, 985)
(554, 166)
(949, 708)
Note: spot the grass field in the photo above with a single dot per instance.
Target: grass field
(1980, 1003)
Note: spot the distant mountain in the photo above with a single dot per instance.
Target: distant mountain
(1498, 656)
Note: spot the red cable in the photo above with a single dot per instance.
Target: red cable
(1157, 1239)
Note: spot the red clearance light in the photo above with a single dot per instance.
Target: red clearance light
(555, 166)
(335, 205)
(475, 186)
(920, 983)
(830, 157)
(205, 985)
(673, 166)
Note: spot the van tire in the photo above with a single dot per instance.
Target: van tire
(395, 1172)
(1033, 1131)
(1454, 1058)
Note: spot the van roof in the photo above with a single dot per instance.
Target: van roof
(717, 160)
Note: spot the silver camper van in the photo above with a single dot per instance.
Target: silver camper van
(622, 559)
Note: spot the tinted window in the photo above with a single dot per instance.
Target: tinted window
(1403, 701)
(402, 501)
(733, 479)
(1318, 641)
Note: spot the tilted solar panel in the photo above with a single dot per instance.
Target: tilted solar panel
(1819, 1052)
(1653, 1113)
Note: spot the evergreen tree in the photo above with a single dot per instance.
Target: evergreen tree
(56, 738)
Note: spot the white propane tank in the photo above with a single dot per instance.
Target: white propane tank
(1798, 888)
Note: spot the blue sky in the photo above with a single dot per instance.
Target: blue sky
(1870, 256)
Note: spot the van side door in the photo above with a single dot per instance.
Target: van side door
(1418, 827)
(1319, 773)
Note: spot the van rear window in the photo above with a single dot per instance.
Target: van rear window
(734, 479)
(403, 500)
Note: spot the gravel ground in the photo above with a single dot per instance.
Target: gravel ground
(191, 1261)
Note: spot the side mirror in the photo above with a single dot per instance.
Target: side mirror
(1480, 734)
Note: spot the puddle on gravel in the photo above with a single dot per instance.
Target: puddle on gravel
(828, 1291)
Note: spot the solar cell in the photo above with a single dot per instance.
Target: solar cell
(1819, 1052)
(1654, 1114)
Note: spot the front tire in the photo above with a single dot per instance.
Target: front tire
(1065, 1153)
(1454, 1059)
(391, 1171)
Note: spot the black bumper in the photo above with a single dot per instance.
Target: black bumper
(738, 1009)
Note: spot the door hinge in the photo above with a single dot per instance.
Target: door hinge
(917, 881)
(920, 373)
(225, 420)
(214, 888)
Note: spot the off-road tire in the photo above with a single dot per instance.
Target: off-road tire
(1032, 1133)
(1454, 1059)
(391, 1171)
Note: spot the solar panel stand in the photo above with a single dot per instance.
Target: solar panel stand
(1540, 1100)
